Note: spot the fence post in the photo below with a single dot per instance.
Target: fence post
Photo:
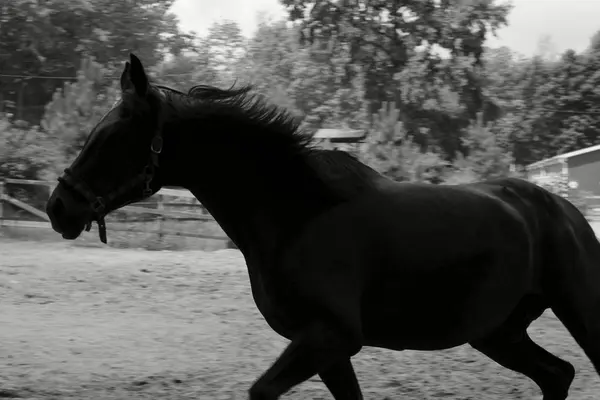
(1, 199)
(160, 206)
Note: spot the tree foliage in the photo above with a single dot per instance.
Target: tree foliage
(26, 152)
(438, 105)
(488, 154)
(314, 90)
(403, 52)
(49, 38)
(393, 153)
(77, 107)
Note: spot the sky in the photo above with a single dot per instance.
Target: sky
(568, 23)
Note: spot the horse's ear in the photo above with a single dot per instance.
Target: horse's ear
(126, 83)
(134, 77)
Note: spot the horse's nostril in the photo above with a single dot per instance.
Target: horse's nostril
(58, 208)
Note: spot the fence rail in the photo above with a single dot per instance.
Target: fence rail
(160, 211)
(113, 227)
(165, 191)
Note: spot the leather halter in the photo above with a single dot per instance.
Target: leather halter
(100, 204)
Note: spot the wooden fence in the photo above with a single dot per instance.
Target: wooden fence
(164, 205)
(167, 204)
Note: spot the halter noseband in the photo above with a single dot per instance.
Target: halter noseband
(99, 204)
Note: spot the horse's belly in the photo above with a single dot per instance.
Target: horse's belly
(430, 316)
(429, 276)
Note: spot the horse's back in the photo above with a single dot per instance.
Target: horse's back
(450, 216)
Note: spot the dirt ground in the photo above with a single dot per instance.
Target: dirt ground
(104, 323)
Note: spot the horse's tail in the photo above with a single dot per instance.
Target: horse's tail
(571, 278)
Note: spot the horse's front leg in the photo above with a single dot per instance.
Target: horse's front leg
(321, 350)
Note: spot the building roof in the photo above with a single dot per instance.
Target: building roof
(340, 135)
(561, 157)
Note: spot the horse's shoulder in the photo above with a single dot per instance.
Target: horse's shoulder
(344, 174)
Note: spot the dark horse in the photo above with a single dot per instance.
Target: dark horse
(338, 256)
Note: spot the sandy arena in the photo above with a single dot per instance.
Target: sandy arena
(95, 323)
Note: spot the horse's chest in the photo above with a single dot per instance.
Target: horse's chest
(274, 303)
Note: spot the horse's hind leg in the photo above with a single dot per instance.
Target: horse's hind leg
(580, 314)
(511, 347)
(574, 297)
(521, 354)
(572, 283)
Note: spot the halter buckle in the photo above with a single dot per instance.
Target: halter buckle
(98, 205)
(156, 145)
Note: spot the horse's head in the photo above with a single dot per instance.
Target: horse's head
(118, 162)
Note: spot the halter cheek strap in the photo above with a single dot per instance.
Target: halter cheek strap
(99, 204)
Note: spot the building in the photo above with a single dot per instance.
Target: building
(342, 139)
(340, 135)
(581, 167)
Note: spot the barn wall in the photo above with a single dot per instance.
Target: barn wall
(585, 170)
(545, 170)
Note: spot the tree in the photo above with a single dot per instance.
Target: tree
(399, 49)
(76, 109)
(314, 90)
(564, 106)
(186, 70)
(26, 152)
(225, 46)
(272, 62)
(595, 43)
(390, 151)
(49, 38)
(488, 155)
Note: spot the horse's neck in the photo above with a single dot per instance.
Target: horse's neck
(247, 226)
(260, 200)
(258, 211)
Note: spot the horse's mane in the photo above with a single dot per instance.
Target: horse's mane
(340, 170)
(283, 128)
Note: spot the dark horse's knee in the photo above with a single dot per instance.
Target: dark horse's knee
(314, 350)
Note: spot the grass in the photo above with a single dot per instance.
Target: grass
(107, 324)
